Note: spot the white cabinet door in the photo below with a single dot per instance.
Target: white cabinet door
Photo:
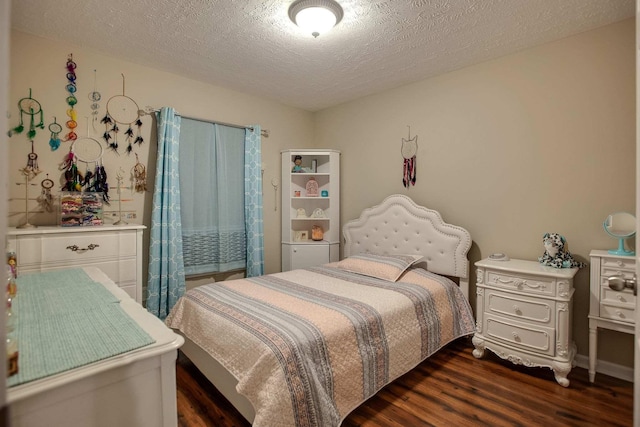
(303, 256)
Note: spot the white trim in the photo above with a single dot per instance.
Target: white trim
(606, 368)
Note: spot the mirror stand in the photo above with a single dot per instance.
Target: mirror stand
(621, 250)
(621, 226)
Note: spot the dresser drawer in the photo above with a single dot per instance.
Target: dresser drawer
(522, 283)
(625, 298)
(618, 264)
(520, 307)
(622, 314)
(609, 272)
(538, 339)
(75, 248)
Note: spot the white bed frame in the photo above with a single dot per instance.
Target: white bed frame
(397, 225)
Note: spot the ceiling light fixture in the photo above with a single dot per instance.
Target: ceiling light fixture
(315, 16)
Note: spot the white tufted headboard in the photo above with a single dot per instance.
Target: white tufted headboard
(398, 225)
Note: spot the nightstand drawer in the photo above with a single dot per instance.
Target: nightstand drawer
(538, 339)
(623, 314)
(520, 307)
(535, 285)
(611, 297)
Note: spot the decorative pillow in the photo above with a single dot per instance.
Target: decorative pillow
(385, 267)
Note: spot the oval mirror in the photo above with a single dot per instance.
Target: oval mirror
(620, 225)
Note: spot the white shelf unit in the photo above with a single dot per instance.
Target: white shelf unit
(305, 253)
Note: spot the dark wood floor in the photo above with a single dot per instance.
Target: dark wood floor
(452, 388)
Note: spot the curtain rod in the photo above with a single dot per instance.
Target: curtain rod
(263, 132)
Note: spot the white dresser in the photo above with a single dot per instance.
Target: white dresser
(135, 388)
(608, 308)
(524, 314)
(114, 249)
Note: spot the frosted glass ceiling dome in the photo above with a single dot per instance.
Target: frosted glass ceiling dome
(315, 16)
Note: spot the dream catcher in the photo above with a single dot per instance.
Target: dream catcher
(122, 110)
(88, 151)
(31, 108)
(45, 199)
(409, 150)
(139, 173)
(71, 100)
(54, 140)
(94, 97)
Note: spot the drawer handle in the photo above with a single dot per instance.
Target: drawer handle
(75, 248)
(518, 283)
(620, 298)
(516, 309)
(619, 313)
(516, 337)
(620, 263)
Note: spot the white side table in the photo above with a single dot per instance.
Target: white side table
(608, 308)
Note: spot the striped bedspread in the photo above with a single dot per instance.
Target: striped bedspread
(309, 346)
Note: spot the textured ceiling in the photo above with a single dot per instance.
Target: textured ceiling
(252, 46)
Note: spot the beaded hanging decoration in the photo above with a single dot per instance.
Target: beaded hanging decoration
(94, 97)
(71, 100)
(71, 176)
(89, 151)
(122, 110)
(31, 169)
(32, 108)
(55, 129)
(409, 149)
(45, 199)
(140, 176)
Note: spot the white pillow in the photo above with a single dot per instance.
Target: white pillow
(385, 267)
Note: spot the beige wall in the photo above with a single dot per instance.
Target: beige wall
(40, 65)
(542, 140)
(539, 141)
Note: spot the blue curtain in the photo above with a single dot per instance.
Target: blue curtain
(166, 270)
(253, 202)
(212, 197)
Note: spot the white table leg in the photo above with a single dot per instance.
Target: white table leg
(593, 350)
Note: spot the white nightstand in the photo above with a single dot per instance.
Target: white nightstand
(608, 308)
(524, 314)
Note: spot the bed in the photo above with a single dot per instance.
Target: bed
(306, 347)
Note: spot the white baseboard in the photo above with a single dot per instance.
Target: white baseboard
(607, 368)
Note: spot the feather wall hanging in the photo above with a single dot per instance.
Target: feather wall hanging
(409, 150)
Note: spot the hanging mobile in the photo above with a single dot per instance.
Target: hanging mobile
(71, 100)
(409, 150)
(123, 110)
(94, 97)
(31, 108)
(140, 176)
(55, 129)
(45, 199)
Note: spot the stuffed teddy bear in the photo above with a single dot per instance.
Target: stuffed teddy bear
(555, 254)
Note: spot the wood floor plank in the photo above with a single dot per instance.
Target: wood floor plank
(452, 388)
